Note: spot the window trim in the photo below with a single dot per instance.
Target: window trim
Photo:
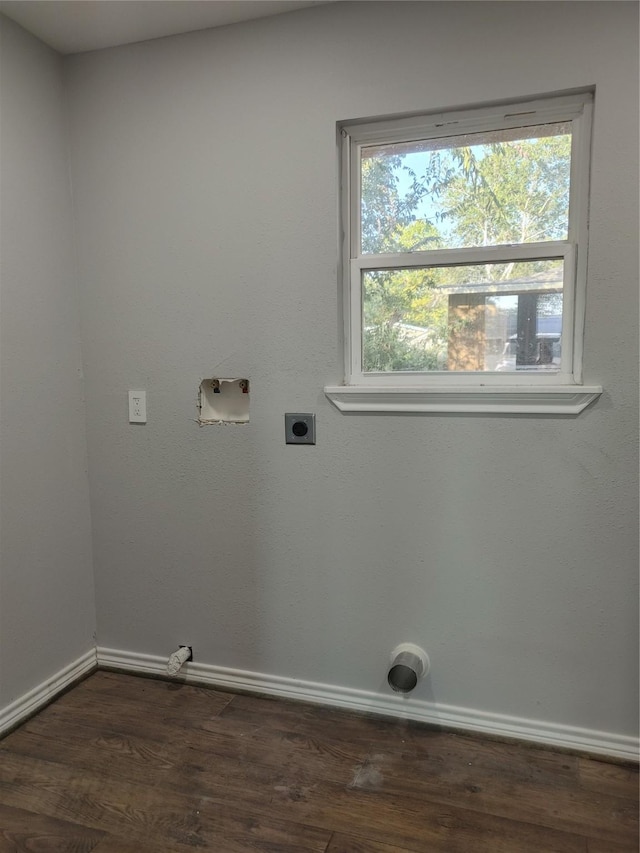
(556, 391)
(478, 399)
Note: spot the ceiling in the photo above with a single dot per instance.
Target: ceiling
(74, 26)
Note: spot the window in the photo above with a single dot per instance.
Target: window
(464, 259)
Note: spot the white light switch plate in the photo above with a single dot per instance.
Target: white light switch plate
(137, 406)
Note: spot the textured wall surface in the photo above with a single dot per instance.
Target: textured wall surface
(47, 612)
(204, 171)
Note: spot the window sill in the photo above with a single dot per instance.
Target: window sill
(504, 400)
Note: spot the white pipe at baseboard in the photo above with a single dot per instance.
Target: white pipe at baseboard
(181, 655)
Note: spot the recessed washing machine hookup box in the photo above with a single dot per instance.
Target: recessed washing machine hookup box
(224, 401)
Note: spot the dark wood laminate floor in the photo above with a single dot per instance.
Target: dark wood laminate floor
(130, 765)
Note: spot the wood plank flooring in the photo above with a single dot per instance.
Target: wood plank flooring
(122, 764)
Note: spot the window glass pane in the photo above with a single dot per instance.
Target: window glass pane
(481, 189)
(480, 317)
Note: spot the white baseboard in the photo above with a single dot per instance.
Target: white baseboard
(18, 711)
(541, 732)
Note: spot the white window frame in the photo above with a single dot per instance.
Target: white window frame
(559, 391)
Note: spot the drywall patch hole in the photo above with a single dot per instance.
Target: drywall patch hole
(223, 401)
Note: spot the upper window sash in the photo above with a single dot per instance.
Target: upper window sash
(356, 136)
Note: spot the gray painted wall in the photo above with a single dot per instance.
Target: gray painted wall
(204, 169)
(47, 611)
